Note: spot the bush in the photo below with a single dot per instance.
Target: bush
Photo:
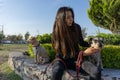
(50, 50)
(110, 39)
(30, 51)
(111, 56)
(48, 47)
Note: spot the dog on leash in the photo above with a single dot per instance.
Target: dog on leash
(41, 55)
(95, 58)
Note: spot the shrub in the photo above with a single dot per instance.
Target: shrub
(48, 47)
(110, 39)
(111, 56)
(50, 50)
(30, 50)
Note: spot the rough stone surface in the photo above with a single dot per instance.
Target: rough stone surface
(28, 70)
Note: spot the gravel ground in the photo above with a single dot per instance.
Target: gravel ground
(112, 72)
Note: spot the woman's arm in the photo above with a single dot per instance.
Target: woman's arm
(81, 40)
(90, 51)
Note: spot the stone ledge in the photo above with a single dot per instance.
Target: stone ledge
(28, 70)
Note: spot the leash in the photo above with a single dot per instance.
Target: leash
(78, 65)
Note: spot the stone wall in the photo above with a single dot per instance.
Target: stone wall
(28, 70)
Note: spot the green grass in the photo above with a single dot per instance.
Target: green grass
(13, 47)
(5, 72)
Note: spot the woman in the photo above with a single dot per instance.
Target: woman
(66, 38)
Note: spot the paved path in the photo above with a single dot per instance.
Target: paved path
(112, 73)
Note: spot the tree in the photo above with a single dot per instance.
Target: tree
(0, 39)
(84, 34)
(15, 38)
(45, 38)
(39, 38)
(27, 35)
(19, 37)
(105, 14)
(12, 38)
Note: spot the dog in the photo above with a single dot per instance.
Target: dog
(41, 55)
(95, 58)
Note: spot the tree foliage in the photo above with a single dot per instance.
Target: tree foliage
(45, 38)
(105, 14)
(108, 39)
(84, 34)
(0, 38)
(27, 34)
(14, 38)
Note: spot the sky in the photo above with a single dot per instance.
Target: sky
(37, 16)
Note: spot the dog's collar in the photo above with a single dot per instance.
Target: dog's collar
(36, 46)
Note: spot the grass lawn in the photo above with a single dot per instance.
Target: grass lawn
(5, 72)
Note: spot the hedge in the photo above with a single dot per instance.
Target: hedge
(110, 55)
(50, 51)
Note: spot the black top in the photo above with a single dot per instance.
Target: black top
(76, 37)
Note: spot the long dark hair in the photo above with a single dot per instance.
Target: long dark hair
(61, 40)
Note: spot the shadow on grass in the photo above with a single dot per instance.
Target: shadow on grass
(10, 76)
(7, 74)
(1, 49)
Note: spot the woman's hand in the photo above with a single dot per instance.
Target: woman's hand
(90, 51)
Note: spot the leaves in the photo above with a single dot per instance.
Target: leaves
(111, 56)
(105, 14)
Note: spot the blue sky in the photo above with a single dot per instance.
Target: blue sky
(37, 16)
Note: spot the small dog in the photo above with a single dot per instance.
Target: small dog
(41, 55)
(96, 57)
